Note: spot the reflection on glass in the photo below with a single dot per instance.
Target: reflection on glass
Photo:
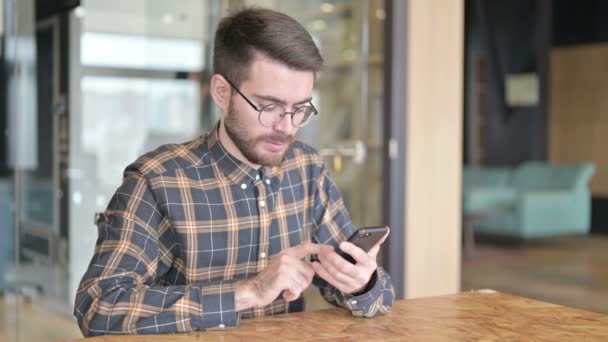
(141, 87)
(104, 49)
(123, 118)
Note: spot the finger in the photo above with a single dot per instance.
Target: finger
(326, 275)
(336, 271)
(352, 276)
(290, 265)
(290, 296)
(293, 274)
(291, 290)
(309, 274)
(374, 252)
(303, 250)
(300, 277)
(304, 269)
(357, 253)
(339, 263)
(306, 273)
(384, 237)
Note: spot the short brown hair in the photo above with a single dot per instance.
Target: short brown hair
(274, 34)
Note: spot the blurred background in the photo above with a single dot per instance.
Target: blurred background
(474, 128)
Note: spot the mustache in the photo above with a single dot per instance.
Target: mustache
(278, 138)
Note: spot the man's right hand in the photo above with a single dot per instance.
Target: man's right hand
(286, 273)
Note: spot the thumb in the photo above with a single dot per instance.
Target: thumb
(374, 250)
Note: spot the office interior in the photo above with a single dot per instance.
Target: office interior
(474, 128)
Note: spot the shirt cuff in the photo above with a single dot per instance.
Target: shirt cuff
(218, 306)
(358, 303)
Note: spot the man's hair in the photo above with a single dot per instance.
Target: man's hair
(257, 30)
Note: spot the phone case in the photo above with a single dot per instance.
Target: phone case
(364, 238)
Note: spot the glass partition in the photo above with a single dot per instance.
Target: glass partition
(92, 87)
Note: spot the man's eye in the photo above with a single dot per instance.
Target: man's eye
(270, 107)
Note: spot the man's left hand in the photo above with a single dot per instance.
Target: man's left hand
(346, 277)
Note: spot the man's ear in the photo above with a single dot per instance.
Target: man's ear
(220, 92)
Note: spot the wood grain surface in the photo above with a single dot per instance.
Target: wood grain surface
(469, 316)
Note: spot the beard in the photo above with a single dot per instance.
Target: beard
(237, 131)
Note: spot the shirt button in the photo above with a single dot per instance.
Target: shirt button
(243, 186)
(262, 203)
(257, 177)
(221, 326)
(262, 255)
(353, 302)
(268, 181)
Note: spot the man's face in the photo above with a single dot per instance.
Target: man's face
(268, 82)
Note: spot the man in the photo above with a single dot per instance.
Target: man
(203, 234)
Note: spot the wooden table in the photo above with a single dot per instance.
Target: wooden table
(469, 316)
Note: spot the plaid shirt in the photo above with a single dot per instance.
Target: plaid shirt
(189, 221)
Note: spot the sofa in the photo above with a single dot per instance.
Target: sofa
(535, 199)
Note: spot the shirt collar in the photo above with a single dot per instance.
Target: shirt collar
(234, 169)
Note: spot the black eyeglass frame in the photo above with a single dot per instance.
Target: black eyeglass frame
(260, 110)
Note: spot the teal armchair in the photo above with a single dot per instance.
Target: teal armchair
(540, 200)
(485, 189)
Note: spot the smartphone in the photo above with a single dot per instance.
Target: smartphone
(364, 238)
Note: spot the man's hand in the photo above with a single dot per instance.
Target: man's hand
(286, 273)
(346, 277)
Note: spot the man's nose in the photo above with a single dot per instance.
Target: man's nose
(285, 126)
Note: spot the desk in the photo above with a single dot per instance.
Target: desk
(468, 316)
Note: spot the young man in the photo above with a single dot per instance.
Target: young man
(203, 234)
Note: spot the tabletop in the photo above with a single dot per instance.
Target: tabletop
(467, 316)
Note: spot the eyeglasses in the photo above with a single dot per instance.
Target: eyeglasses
(271, 114)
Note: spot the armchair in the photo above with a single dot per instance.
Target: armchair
(542, 200)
